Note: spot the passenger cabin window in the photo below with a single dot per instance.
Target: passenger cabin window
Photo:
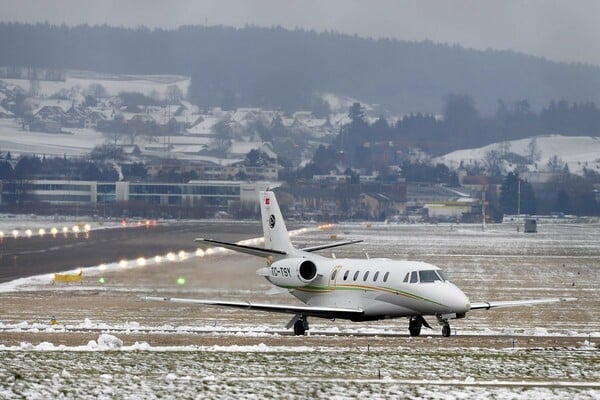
(346, 274)
(376, 276)
(334, 274)
(406, 277)
(385, 277)
(414, 277)
(355, 275)
(366, 276)
(428, 276)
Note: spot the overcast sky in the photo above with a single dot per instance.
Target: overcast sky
(557, 30)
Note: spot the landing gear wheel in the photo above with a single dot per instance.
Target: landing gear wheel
(446, 330)
(300, 327)
(414, 326)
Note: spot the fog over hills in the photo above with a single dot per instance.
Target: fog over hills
(279, 68)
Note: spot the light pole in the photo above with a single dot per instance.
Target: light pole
(519, 198)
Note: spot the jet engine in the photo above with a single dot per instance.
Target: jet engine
(292, 272)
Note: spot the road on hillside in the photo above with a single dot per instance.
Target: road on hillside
(22, 257)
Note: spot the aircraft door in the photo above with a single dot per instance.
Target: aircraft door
(335, 274)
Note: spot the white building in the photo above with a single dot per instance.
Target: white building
(218, 193)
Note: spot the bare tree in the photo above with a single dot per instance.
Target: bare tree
(97, 90)
(556, 164)
(174, 94)
(34, 87)
(532, 151)
(493, 162)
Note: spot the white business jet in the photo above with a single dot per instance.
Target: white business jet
(353, 289)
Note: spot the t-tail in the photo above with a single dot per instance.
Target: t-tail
(277, 238)
(274, 229)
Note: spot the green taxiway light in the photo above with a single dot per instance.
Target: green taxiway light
(101, 280)
(181, 281)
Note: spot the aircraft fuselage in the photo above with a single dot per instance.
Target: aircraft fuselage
(382, 288)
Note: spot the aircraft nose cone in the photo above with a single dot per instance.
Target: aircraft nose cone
(460, 302)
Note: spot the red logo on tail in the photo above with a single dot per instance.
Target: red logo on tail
(267, 201)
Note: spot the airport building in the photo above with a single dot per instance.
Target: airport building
(64, 192)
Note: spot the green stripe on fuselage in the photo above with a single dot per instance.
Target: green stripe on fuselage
(324, 289)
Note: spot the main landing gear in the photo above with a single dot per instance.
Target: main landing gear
(416, 323)
(300, 324)
(414, 326)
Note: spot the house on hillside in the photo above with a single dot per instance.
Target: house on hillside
(74, 117)
(48, 119)
(92, 119)
(50, 113)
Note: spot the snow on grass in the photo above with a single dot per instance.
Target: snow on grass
(498, 265)
(260, 371)
(73, 142)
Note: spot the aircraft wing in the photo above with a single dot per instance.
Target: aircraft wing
(252, 250)
(486, 305)
(322, 312)
(330, 245)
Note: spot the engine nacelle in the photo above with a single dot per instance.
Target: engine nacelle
(292, 272)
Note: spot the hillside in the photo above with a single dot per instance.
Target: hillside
(196, 138)
(575, 151)
(281, 69)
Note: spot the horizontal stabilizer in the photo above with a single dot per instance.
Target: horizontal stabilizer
(322, 312)
(252, 250)
(330, 245)
(486, 305)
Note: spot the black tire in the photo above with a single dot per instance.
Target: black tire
(446, 331)
(299, 329)
(414, 327)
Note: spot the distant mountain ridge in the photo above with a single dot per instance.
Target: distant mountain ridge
(275, 67)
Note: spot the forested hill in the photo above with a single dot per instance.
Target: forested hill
(274, 67)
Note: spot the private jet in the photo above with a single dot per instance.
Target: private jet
(352, 289)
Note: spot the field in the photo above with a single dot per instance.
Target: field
(110, 343)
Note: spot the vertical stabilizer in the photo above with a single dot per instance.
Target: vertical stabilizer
(276, 234)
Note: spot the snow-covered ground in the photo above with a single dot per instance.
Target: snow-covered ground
(259, 359)
(114, 84)
(104, 368)
(77, 142)
(576, 151)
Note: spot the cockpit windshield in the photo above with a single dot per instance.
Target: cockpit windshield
(443, 275)
(429, 276)
(426, 276)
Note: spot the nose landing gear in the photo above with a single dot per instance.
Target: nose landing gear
(443, 321)
(446, 330)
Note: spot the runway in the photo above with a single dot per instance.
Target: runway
(36, 255)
